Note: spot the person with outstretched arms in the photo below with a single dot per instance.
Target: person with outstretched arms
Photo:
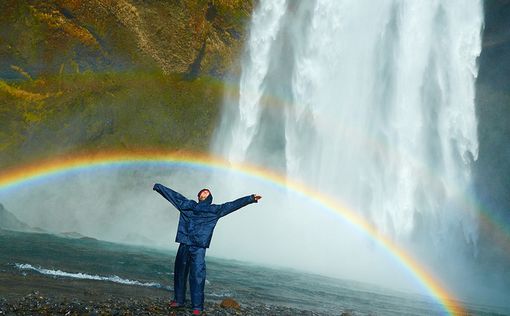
(196, 225)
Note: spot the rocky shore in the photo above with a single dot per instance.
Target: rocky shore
(37, 304)
(234, 289)
(33, 294)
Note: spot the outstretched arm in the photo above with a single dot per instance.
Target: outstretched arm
(230, 207)
(177, 199)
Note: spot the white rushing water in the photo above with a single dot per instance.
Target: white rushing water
(371, 102)
(86, 276)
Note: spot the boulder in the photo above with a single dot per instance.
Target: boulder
(230, 303)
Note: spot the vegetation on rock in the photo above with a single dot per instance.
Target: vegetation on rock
(124, 74)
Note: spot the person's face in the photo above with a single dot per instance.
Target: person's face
(203, 195)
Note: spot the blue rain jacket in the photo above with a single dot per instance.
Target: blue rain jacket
(198, 219)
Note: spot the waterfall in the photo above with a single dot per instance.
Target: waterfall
(370, 102)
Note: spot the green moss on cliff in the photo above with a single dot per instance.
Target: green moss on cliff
(107, 110)
(99, 74)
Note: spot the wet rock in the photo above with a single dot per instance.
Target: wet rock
(32, 305)
(230, 303)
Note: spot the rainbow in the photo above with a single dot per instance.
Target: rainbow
(78, 162)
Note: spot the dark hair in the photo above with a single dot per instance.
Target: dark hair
(200, 192)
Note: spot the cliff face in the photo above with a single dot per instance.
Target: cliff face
(493, 112)
(10, 222)
(92, 74)
(41, 37)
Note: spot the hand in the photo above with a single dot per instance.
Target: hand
(257, 197)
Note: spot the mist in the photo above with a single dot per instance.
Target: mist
(285, 229)
(360, 117)
(374, 105)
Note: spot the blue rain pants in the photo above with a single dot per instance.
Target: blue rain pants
(190, 261)
(194, 233)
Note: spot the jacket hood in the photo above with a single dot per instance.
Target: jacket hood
(208, 200)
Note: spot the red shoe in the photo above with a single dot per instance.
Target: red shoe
(174, 304)
(197, 312)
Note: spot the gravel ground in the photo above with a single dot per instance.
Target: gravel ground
(37, 304)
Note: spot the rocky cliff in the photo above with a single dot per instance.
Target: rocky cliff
(92, 74)
(195, 37)
(493, 112)
(10, 222)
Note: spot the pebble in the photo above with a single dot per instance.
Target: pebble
(38, 304)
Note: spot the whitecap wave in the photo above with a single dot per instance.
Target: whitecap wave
(85, 276)
(221, 294)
